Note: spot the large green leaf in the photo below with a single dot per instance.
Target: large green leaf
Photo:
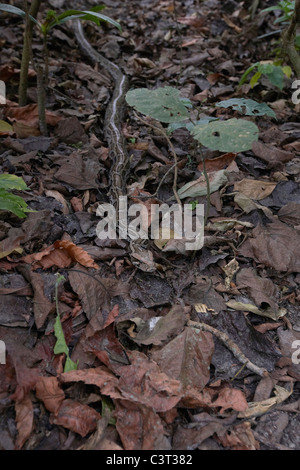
(274, 73)
(83, 15)
(8, 181)
(61, 345)
(234, 135)
(247, 107)
(188, 124)
(16, 11)
(15, 204)
(163, 104)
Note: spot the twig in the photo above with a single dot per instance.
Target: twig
(164, 134)
(230, 345)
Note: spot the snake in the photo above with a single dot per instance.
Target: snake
(113, 119)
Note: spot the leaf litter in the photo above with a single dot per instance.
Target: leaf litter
(174, 352)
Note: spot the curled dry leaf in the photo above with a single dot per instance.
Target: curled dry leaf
(76, 253)
(239, 437)
(24, 420)
(187, 358)
(259, 408)
(139, 427)
(49, 392)
(77, 417)
(275, 245)
(255, 189)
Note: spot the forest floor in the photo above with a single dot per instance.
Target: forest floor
(146, 378)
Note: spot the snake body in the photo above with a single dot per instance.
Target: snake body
(113, 117)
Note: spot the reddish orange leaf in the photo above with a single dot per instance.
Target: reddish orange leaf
(76, 253)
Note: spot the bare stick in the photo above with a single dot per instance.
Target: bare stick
(230, 345)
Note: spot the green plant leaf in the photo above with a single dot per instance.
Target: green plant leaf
(17, 11)
(5, 127)
(61, 345)
(234, 135)
(246, 73)
(188, 124)
(247, 107)
(254, 79)
(274, 73)
(8, 181)
(12, 203)
(83, 15)
(163, 104)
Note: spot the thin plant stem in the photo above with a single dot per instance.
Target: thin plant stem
(288, 39)
(41, 92)
(164, 134)
(26, 53)
(208, 203)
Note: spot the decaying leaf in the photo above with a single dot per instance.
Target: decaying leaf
(79, 418)
(187, 358)
(259, 408)
(255, 189)
(268, 312)
(199, 186)
(76, 253)
(275, 245)
(157, 330)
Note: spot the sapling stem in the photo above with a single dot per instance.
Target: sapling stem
(26, 54)
(207, 186)
(288, 39)
(41, 93)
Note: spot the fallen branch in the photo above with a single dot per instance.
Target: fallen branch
(230, 345)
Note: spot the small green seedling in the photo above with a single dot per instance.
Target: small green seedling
(275, 72)
(233, 135)
(61, 345)
(51, 20)
(9, 201)
(286, 7)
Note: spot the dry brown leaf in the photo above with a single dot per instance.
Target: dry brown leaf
(50, 393)
(230, 398)
(219, 163)
(187, 358)
(261, 407)
(271, 154)
(275, 245)
(59, 197)
(139, 427)
(77, 417)
(29, 116)
(24, 421)
(47, 258)
(11, 244)
(239, 437)
(76, 253)
(255, 189)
